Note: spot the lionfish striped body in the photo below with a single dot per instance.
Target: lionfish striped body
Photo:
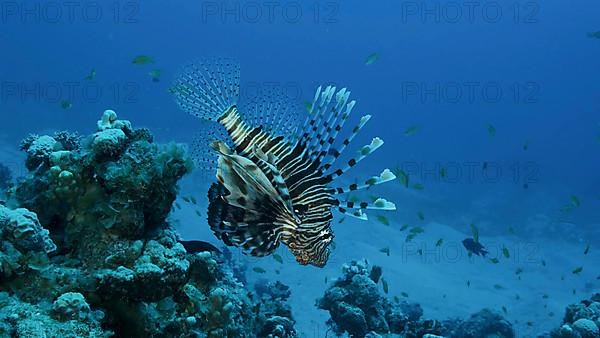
(274, 185)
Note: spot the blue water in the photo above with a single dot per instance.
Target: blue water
(536, 53)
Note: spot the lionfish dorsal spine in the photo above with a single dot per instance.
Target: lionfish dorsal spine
(310, 129)
(378, 204)
(385, 176)
(323, 139)
(362, 154)
(354, 213)
(339, 151)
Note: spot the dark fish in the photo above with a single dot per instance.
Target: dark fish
(199, 246)
(91, 76)
(421, 216)
(371, 59)
(66, 105)
(491, 130)
(474, 247)
(403, 177)
(155, 75)
(594, 35)
(276, 180)
(382, 219)
(142, 60)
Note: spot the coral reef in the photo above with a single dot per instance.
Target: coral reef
(581, 320)
(86, 248)
(484, 323)
(357, 307)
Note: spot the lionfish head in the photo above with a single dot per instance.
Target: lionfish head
(313, 235)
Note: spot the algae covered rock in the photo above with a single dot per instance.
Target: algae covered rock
(581, 320)
(71, 306)
(22, 228)
(480, 324)
(358, 307)
(22, 319)
(24, 243)
(586, 328)
(145, 272)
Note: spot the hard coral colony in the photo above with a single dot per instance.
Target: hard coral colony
(86, 251)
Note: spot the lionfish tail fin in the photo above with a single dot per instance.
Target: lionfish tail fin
(208, 88)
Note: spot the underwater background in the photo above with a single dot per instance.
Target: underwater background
(489, 111)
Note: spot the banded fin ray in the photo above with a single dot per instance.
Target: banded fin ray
(385, 176)
(317, 142)
(362, 154)
(354, 213)
(207, 88)
(339, 151)
(379, 204)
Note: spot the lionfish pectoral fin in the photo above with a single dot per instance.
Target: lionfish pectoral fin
(253, 232)
(278, 180)
(220, 147)
(248, 187)
(208, 88)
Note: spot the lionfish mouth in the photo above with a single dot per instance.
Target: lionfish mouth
(275, 178)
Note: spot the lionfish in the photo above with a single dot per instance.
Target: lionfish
(275, 183)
